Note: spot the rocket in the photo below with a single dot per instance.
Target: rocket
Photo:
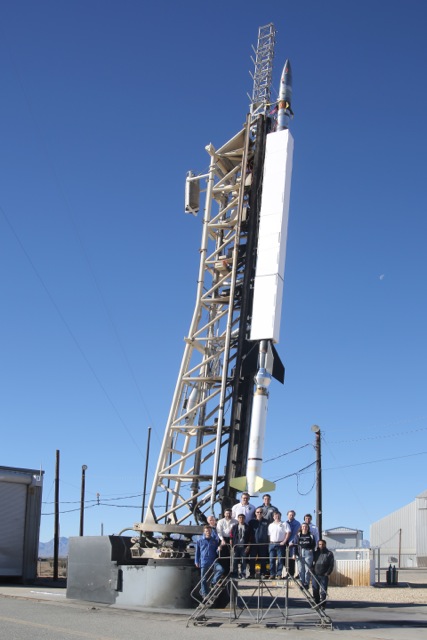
(269, 276)
(285, 98)
(253, 482)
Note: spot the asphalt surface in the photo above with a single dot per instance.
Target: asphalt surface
(42, 612)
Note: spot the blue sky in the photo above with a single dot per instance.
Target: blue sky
(105, 107)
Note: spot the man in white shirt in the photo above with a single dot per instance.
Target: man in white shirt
(223, 527)
(278, 533)
(244, 507)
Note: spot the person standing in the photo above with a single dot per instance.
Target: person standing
(259, 543)
(305, 545)
(267, 508)
(323, 565)
(245, 507)
(223, 529)
(313, 529)
(211, 521)
(206, 556)
(278, 532)
(294, 526)
(240, 538)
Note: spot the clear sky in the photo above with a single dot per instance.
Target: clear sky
(105, 106)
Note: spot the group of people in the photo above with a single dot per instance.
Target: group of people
(259, 535)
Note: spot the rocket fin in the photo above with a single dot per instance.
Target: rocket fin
(241, 483)
(261, 484)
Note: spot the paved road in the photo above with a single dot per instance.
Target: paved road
(44, 613)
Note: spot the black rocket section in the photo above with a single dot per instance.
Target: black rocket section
(244, 375)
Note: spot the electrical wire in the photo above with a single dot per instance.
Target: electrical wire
(287, 453)
(380, 437)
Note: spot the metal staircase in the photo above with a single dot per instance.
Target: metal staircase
(259, 601)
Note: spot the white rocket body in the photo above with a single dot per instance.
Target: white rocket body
(255, 483)
(269, 276)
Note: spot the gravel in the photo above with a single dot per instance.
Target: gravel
(393, 595)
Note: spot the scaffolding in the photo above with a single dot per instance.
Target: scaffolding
(190, 471)
(260, 601)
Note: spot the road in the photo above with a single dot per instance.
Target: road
(44, 613)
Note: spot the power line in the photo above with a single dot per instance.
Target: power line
(359, 464)
(296, 473)
(70, 331)
(379, 437)
(72, 219)
(287, 453)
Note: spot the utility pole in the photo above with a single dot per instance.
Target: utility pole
(56, 531)
(82, 499)
(316, 430)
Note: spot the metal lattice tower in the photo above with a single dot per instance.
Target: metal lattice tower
(263, 70)
(191, 467)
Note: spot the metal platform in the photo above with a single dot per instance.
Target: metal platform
(259, 601)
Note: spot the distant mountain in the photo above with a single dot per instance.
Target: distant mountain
(46, 548)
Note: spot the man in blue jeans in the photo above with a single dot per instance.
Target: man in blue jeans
(323, 565)
(206, 556)
(278, 533)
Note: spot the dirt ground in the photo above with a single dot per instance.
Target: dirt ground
(411, 588)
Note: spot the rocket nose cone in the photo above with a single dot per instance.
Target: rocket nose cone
(287, 73)
(286, 82)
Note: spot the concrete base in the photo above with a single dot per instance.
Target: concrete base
(100, 569)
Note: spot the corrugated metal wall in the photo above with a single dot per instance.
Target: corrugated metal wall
(402, 535)
(13, 500)
(421, 530)
(354, 573)
(20, 509)
(385, 532)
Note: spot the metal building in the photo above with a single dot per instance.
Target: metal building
(343, 538)
(401, 536)
(20, 509)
